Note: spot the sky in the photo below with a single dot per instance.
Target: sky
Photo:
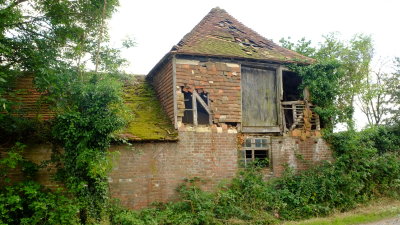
(156, 26)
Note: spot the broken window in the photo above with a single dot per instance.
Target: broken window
(291, 86)
(291, 92)
(188, 114)
(196, 107)
(202, 115)
(257, 151)
(295, 103)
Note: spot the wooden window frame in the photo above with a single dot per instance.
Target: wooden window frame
(196, 98)
(253, 148)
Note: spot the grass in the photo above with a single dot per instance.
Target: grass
(374, 211)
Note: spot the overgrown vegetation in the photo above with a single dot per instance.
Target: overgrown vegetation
(63, 44)
(337, 76)
(344, 76)
(365, 167)
(57, 40)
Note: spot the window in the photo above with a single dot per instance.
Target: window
(196, 107)
(188, 114)
(257, 150)
(202, 115)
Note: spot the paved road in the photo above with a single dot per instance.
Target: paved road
(392, 221)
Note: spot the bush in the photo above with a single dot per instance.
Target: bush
(29, 203)
(366, 166)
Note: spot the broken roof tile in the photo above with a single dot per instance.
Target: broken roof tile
(219, 34)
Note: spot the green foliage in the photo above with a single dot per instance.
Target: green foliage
(365, 167)
(337, 76)
(322, 79)
(84, 130)
(53, 41)
(29, 203)
(393, 90)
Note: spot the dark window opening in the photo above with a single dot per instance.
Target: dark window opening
(203, 117)
(188, 100)
(291, 86)
(256, 151)
(291, 92)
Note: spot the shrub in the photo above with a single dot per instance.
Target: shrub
(29, 203)
(366, 166)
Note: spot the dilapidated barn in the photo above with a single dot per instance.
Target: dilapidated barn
(222, 98)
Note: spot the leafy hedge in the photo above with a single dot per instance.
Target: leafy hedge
(29, 203)
(366, 166)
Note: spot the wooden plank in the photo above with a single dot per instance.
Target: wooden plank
(259, 97)
(261, 129)
(210, 115)
(201, 101)
(279, 90)
(174, 92)
(194, 108)
(300, 102)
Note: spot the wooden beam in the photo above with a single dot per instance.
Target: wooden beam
(174, 92)
(261, 129)
(201, 101)
(209, 115)
(279, 97)
(194, 107)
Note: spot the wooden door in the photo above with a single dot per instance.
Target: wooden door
(259, 98)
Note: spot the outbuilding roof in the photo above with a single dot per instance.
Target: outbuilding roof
(148, 122)
(220, 34)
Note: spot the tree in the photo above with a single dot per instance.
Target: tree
(374, 95)
(49, 37)
(56, 41)
(351, 62)
(393, 83)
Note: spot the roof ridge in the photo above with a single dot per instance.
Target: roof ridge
(221, 34)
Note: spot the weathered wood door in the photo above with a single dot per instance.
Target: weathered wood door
(259, 98)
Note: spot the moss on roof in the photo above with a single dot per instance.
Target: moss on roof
(218, 46)
(149, 122)
(220, 34)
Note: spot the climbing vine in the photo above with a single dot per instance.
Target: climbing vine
(322, 80)
(84, 131)
(54, 41)
(336, 76)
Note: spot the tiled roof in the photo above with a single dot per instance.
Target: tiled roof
(29, 102)
(219, 34)
(149, 122)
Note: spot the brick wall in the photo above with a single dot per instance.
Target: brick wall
(222, 82)
(36, 153)
(162, 81)
(148, 172)
(152, 171)
(298, 154)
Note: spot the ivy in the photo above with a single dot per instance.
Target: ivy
(84, 131)
(336, 77)
(322, 80)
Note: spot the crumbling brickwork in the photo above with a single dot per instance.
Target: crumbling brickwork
(147, 172)
(221, 80)
(298, 154)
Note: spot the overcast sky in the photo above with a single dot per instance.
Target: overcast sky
(158, 25)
